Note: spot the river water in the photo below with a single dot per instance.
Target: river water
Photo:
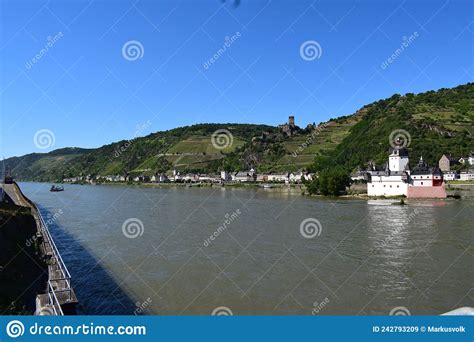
(148, 251)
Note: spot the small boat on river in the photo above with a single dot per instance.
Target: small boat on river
(55, 188)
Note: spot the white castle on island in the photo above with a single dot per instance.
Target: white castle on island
(398, 180)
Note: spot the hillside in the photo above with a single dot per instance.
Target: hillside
(34, 165)
(186, 149)
(437, 122)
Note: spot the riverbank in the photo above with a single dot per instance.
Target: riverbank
(23, 273)
(454, 189)
(203, 184)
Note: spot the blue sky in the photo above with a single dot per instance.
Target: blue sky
(87, 94)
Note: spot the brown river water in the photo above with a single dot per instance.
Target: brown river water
(190, 251)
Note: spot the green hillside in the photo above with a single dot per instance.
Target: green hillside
(437, 122)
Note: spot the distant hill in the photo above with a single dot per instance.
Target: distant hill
(38, 166)
(437, 122)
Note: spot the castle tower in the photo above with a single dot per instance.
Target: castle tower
(398, 159)
(291, 121)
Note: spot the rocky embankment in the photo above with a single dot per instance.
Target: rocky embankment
(23, 274)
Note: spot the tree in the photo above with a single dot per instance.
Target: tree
(330, 182)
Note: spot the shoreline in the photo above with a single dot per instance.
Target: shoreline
(299, 189)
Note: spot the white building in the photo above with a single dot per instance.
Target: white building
(176, 177)
(398, 180)
(469, 159)
(295, 177)
(208, 178)
(386, 183)
(225, 176)
(467, 175)
(190, 177)
(241, 176)
(398, 160)
(277, 177)
(424, 176)
(450, 175)
(393, 181)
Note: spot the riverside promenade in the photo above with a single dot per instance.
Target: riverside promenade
(59, 297)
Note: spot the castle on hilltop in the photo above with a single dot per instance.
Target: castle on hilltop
(290, 127)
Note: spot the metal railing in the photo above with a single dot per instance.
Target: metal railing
(53, 301)
(65, 276)
(64, 272)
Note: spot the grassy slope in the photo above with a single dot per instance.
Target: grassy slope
(324, 141)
